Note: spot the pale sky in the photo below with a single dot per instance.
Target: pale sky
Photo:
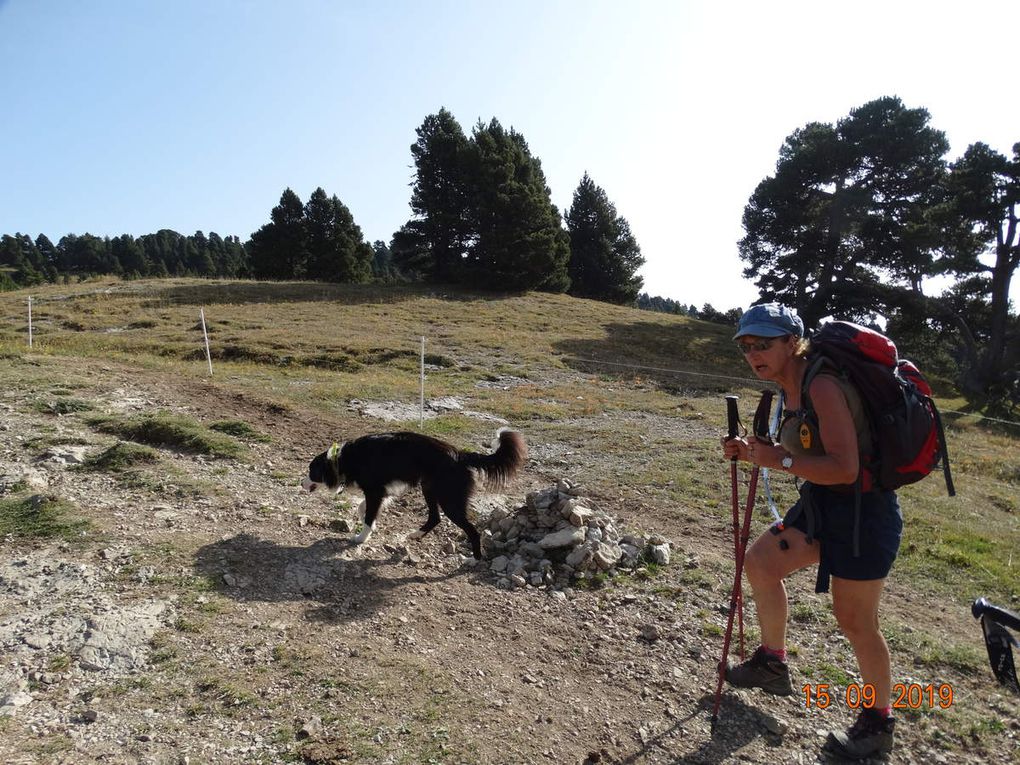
(127, 117)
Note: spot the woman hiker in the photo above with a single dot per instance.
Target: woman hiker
(823, 448)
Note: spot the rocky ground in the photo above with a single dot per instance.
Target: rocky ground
(215, 614)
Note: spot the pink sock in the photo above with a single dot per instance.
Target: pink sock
(775, 653)
(884, 711)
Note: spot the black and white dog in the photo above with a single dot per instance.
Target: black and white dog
(385, 464)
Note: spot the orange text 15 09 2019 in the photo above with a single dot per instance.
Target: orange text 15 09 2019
(905, 695)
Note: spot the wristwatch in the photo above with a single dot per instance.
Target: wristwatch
(787, 462)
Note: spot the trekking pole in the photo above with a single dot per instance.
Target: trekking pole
(998, 640)
(731, 420)
(733, 423)
(761, 427)
(741, 534)
(745, 534)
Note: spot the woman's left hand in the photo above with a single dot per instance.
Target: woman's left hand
(763, 453)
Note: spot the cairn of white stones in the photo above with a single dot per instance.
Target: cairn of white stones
(557, 539)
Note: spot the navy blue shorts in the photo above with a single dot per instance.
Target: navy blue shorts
(881, 525)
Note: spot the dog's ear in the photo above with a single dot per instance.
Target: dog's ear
(333, 452)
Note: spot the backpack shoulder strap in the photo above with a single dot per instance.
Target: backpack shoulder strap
(816, 366)
(941, 434)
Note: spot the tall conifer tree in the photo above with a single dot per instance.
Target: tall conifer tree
(435, 240)
(520, 242)
(278, 249)
(337, 251)
(604, 255)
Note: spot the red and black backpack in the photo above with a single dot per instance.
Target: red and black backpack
(906, 429)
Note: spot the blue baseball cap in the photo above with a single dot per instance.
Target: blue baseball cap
(769, 320)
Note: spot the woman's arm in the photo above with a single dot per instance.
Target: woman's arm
(841, 461)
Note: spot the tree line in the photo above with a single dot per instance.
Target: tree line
(25, 261)
(707, 312)
(858, 217)
(482, 215)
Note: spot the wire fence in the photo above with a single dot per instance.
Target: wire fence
(420, 342)
(755, 381)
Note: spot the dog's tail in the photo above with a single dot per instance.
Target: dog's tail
(500, 467)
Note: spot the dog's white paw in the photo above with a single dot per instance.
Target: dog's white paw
(363, 535)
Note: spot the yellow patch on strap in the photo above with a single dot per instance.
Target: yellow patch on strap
(805, 435)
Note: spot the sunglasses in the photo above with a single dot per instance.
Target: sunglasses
(758, 345)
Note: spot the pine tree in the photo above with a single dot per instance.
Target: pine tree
(604, 255)
(483, 213)
(437, 241)
(353, 254)
(130, 255)
(337, 251)
(48, 256)
(382, 261)
(844, 217)
(520, 243)
(278, 249)
(319, 235)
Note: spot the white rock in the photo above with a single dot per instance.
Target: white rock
(660, 554)
(564, 538)
(119, 639)
(579, 515)
(580, 556)
(17, 699)
(606, 556)
(311, 729)
(774, 725)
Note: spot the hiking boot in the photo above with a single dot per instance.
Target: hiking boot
(761, 671)
(871, 735)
